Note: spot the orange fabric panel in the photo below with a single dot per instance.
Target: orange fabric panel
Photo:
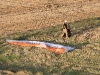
(23, 44)
(56, 50)
(60, 50)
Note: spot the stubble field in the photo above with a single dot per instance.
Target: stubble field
(42, 20)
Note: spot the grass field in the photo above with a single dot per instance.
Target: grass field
(84, 60)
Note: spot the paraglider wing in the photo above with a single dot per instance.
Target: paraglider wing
(57, 48)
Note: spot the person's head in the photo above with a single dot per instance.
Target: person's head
(65, 21)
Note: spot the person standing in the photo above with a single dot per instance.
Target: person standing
(66, 30)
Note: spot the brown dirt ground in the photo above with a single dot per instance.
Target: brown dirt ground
(23, 15)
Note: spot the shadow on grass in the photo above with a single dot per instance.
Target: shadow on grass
(80, 31)
(43, 32)
(44, 69)
(23, 37)
(80, 45)
(98, 18)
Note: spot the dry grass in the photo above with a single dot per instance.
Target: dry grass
(22, 19)
(30, 60)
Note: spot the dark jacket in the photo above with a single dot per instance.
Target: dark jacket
(67, 26)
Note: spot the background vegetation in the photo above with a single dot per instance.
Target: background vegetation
(85, 59)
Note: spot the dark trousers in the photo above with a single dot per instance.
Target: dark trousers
(69, 33)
